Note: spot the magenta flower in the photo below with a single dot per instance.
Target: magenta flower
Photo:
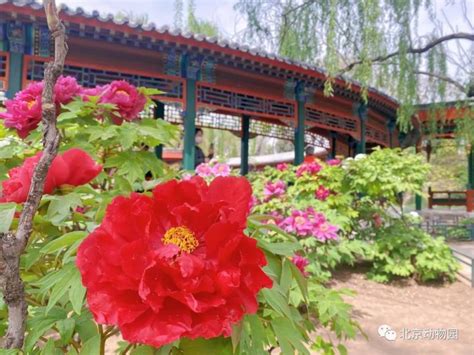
(282, 166)
(95, 91)
(308, 168)
(186, 177)
(272, 190)
(66, 89)
(325, 231)
(24, 111)
(253, 202)
(333, 162)
(204, 170)
(316, 218)
(221, 169)
(301, 263)
(129, 102)
(322, 193)
(298, 223)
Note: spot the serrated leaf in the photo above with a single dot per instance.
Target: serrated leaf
(289, 338)
(60, 207)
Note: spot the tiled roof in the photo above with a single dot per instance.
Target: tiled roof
(150, 27)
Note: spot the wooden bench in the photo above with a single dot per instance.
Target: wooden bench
(446, 198)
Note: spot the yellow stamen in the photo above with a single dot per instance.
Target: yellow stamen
(122, 92)
(182, 237)
(299, 220)
(30, 104)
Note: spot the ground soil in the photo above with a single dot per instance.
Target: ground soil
(406, 304)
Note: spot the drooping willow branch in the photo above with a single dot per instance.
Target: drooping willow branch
(449, 80)
(411, 50)
(13, 244)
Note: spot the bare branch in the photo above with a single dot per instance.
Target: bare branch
(449, 80)
(427, 47)
(13, 245)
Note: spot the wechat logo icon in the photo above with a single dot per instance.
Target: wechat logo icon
(387, 332)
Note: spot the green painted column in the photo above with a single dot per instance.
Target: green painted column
(15, 74)
(300, 128)
(470, 166)
(362, 115)
(391, 128)
(159, 113)
(190, 125)
(244, 145)
(418, 199)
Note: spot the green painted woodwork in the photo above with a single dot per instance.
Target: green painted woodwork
(14, 74)
(244, 145)
(190, 125)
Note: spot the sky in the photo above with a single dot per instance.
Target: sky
(161, 12)
(231, 24)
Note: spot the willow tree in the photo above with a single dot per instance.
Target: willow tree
(376, 42)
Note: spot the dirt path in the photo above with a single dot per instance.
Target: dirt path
(422, 310)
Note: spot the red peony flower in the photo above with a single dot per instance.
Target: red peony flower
(24, 111)
(176, 264)
(126, 98)
(74, 167)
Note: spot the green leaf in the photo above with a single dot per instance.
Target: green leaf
(61, 279)
(276, 299)
(286, 276)
(289, 338)
(77, 292)
(221, 346)
(92, 346)
(283, 248)
(50, 348)
(64, 241)
(39, 322)
(66, 329)
(7, 213)
(60, 207)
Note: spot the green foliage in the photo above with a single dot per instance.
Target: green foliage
(356, 38)
(386, 173)
(401, 250)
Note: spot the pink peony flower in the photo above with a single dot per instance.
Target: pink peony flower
(322, 193)
(95, 91)
(333, 162)
(66, 89)
(128, 101)
(282, 166)
(221, 169)
(301, 263)
(308, 168)
(315, 217)
(253, 202)
(24, 111)
(186, 177)
(272, 190)
(325, 231)
(204, 170)
(298, 223)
